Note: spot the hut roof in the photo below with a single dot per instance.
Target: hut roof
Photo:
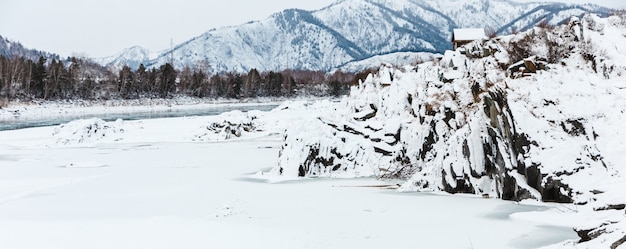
(468, 34)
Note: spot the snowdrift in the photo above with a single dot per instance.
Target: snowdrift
(548, 128)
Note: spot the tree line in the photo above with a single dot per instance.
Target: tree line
(76, 78)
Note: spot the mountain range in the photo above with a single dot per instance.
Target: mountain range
(347, 32)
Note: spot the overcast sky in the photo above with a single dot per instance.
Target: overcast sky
(99, 28)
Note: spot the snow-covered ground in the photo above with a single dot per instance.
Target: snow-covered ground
(192, 183)
(541, 131)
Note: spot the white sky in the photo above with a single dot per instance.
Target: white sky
(99, 28)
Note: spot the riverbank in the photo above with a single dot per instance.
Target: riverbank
(40, 109)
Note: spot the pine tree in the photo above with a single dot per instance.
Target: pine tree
(125, 85)
(252, 83)
(235, 82)
(217, 87)
(275, 82)
(152, 83)
(185, 85)
(141, 86)
(166, 80)
(199, 85)
(40, 75)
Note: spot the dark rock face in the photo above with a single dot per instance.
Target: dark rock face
(533, 176)
(574, 127)
(553, 191)
(585, 235)
(611, 207)
(618, 243)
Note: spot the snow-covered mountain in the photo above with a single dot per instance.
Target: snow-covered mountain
(352, 30)
(132, 57)
(535, 115)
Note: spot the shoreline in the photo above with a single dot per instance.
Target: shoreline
(25, 110)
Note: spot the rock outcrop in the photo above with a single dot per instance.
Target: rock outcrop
(462, 125)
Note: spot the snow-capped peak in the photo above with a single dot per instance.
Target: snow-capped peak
(132, 57)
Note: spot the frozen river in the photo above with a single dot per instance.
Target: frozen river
(154, 189)
(19, 122)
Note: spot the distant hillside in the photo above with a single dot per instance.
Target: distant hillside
(10, 48)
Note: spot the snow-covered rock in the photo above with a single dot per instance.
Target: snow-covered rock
(84, 131)
(462, 125)
(230, 125)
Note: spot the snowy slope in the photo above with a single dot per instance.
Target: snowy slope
(396, 59)
(352, 30)
(468, 125)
